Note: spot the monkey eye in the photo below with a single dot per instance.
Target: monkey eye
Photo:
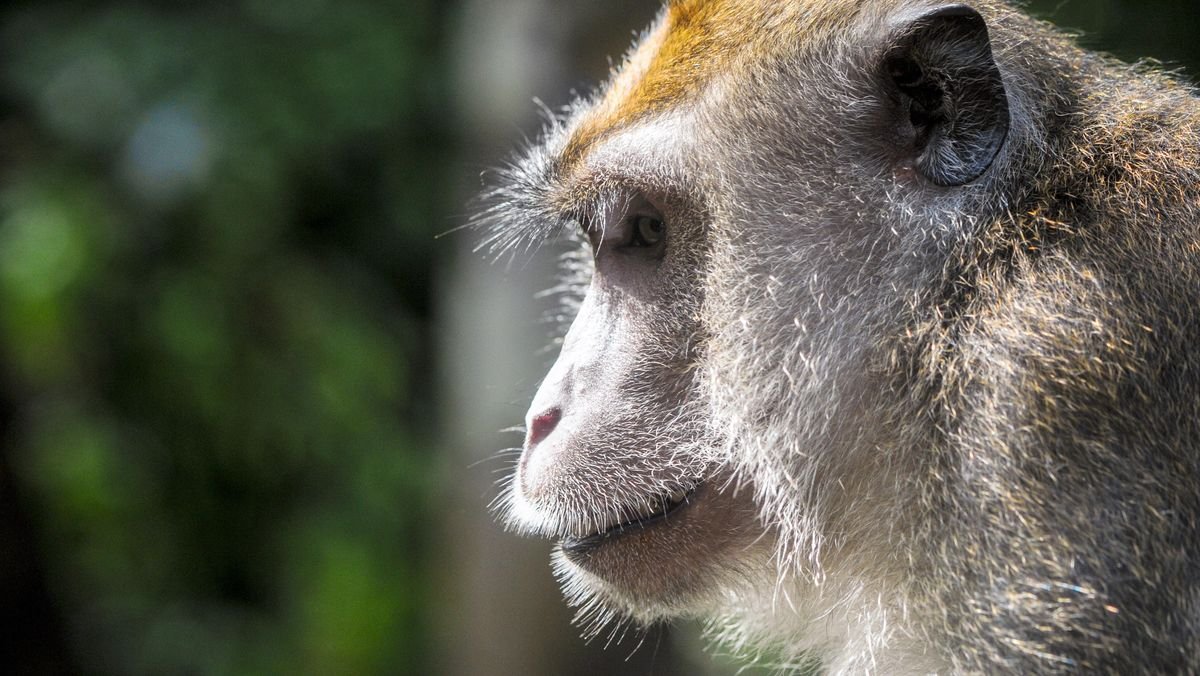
(646, 231)
(638, 229)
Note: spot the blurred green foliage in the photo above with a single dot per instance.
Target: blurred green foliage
(217, 228)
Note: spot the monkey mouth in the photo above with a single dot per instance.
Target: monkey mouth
(654, 513)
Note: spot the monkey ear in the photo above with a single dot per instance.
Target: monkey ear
(952, 99)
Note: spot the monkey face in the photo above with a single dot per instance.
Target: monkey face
(618, 464)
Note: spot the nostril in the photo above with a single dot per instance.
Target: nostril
(541, 427)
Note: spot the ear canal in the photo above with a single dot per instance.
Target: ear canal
(952, 93)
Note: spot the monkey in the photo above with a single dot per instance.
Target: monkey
(883, 354)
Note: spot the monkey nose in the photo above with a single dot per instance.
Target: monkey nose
(541, 426)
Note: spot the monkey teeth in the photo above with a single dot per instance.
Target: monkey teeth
(677, 496)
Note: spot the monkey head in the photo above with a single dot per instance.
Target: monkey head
(759, 198)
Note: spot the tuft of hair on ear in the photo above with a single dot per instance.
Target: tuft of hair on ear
(952, 105)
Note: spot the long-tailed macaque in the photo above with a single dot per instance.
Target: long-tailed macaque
(886, 348)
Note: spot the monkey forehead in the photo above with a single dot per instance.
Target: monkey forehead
(692, 44)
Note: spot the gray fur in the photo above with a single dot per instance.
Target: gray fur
(967, 415)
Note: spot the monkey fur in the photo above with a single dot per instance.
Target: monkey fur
(911, 383)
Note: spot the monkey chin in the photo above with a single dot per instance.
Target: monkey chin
(683, 561)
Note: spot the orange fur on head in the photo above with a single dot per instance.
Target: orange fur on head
(695, 41)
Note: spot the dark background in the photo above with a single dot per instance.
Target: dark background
(250, 401)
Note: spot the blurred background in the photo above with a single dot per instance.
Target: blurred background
(251, 399)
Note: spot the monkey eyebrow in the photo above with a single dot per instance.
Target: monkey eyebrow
(620, 169)
(525, 203)
(520, 216)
